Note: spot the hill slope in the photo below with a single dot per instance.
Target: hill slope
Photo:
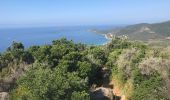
(145, 31)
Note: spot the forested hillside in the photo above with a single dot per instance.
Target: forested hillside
(145, 31)
(157, 34)
(68, 71)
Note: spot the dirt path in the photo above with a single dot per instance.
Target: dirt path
(107, 89)
(117, 91)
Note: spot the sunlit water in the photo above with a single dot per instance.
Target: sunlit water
(41, 36)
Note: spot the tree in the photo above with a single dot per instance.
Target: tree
(57, 52)
(97, 56)
(42, 54)
(72, 59)
(80, 96)
(27, 57)
(43, 83)
(84, 69)
(16, 46)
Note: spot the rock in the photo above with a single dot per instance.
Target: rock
(5, 85)
(4, 96)
(102, 93)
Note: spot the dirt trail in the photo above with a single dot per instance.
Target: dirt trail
(110, 84)
(117, 91)
(106, 89)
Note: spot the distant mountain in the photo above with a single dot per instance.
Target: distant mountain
(145, 31)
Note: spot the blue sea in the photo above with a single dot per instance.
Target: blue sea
(44, 35)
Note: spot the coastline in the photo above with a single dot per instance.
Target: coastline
(109, 37)
(106, 42)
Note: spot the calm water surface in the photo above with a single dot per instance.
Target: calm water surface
(41, 36)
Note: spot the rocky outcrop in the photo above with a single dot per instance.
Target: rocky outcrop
(102, 93)
(4, 96)
(6, 85)
(8, 82)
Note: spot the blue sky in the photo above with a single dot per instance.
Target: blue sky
(23, 13)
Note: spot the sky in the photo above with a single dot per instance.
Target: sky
(29, 13)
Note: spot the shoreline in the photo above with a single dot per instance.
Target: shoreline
(109, 37)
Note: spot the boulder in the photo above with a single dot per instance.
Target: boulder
(102, 93)
(4, 96)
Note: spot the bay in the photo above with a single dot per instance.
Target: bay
(44, 35)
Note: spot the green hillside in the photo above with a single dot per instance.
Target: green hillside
(146, 32)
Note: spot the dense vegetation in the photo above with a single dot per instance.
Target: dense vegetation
(66, 71)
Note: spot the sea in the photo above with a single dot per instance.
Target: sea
(45, 35)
